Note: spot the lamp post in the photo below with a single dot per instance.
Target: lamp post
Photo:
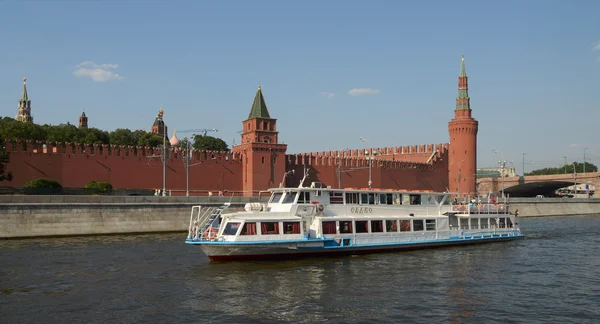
(502, 166)
(564, 157)
(458, 177)
(574, 181)
(370, 158)
(164, 191)
(524, 164)
(585, 148)
(188, 157)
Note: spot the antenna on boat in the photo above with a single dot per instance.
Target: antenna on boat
(306, 172)
(285, 174)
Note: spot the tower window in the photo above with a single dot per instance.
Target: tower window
(263, 160)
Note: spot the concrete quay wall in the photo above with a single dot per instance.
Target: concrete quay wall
(35, 219)
(531, 207)
(61, 218)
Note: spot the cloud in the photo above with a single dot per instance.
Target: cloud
(97, 72)
(328, 94)
(363, 91)
(597, 48)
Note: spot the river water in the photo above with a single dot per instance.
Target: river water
(551, 276)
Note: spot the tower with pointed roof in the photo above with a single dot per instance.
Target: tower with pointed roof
(24, 113)
(83, 120)
(159, 126)
(463, 128)
(263, 158)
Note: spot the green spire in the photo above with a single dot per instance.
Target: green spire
(259, 107)
(24, 96)
(463, 101)
(463, 71)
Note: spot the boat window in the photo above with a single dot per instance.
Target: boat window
(329, 227)
(267, 228)
(291, 227)
(428, 200)
(464, 223)
(430, 224)
(352, 198)
(376, 226)
(417, 225)
(345, 227)
(362, 226)
(276, 197)
(336, 197)
(304, 197)
(493, 222)
(397, 199)
(231, 228)
(474, 223)
(509, 223)
(367, 198)
(405, 225)
(249, 229)
(415, 199)
(391, 226)
(289, 197)
(502, 222)
(385, 199)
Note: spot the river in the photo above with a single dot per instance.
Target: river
(551, 276)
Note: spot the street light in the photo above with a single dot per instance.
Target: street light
(585, 148)
(370, 158)
(463, 160)
(164, 156)
(188, 157)
(524, 164)
(502, 165)
(564, 157)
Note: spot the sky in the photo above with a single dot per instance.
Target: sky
(331, 71)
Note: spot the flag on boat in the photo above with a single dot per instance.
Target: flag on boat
(492, 198)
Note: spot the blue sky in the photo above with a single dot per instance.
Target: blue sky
(533, 67)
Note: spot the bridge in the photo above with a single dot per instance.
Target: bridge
(531, 186)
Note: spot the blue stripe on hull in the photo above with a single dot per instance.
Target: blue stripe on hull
(247, 252)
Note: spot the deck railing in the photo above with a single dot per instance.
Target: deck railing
(481, 208)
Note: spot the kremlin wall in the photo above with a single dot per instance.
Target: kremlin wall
(258, 163)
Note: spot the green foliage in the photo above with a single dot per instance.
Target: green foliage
(101, 187)
(578, 167)
(4, 158)
(209, 143)
(11, 129)
(42, 184)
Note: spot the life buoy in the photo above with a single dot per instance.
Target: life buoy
(321, 208)
(210, 233)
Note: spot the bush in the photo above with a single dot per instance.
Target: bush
(42, 184)
(42, 187)
(99, 187)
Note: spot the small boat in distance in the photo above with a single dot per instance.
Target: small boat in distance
(314, 221)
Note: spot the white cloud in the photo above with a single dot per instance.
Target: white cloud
(328, 94)
(597, 47)
(363, 91)
(97, 72)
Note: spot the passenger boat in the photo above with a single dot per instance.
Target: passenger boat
(315, 221)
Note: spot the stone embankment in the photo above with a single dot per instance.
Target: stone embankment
(39, 216)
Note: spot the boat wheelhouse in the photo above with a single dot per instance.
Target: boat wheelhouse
(299, 222)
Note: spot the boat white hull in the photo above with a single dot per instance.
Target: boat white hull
(224, 251)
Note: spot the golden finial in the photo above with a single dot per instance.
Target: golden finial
(160, 110)
(463, 58)
(259, 87)
(174, 132)
(24, 80)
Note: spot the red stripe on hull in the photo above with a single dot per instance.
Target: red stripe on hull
(358, 251)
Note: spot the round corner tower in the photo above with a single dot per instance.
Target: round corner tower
(462, 164)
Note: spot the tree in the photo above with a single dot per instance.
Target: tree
(151, 140)
(99, 187)
(578, 167)
(209, 143)
(4, 158)
(123, 136)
